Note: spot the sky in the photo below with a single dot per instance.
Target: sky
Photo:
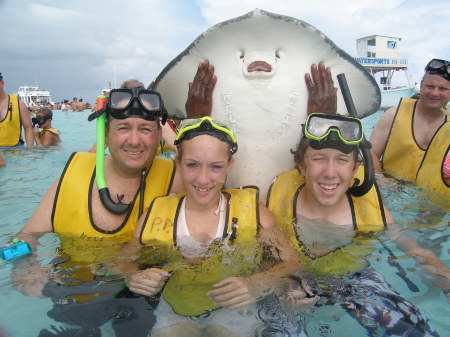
(77, 48)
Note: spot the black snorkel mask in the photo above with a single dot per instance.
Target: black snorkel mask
(122, 104)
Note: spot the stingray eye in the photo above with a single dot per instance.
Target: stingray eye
(277, 54)
(241, 56)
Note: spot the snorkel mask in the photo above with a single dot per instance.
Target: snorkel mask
(122, 104)
(333, 131)
(438, 67)
(191, 128)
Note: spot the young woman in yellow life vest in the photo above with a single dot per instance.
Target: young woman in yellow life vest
(217, 234)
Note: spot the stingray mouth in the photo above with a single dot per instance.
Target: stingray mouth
(259, 70)
(259, 66)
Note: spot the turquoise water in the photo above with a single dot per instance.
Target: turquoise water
(29, 172)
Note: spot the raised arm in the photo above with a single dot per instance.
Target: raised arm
(199, 101)
(321, 91)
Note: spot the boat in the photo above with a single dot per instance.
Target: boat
(33, 96)
(380, 56)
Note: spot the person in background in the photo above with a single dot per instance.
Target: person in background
(207, 226)
(80, 105)
(65, 106)
(2, 161)
(48, 135)
(74, 104)
(402, 136)
(13, 116)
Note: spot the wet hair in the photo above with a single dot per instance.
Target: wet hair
(1, 76)
(300, 151)
(46, 112)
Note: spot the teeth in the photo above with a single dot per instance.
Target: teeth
(130, 152)
(202, 189)
(328, 187)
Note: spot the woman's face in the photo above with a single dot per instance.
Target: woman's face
(204, 166)
(328, 173)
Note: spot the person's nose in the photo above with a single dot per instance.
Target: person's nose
(203, 177)
(329, 169)
(133, 138)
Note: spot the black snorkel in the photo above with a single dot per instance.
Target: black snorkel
(357, 189)
(105, 197)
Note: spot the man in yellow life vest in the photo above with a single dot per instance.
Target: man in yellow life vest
(94, 207)
(13, 116)
(405, 136)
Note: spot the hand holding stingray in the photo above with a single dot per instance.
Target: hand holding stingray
(260, 60)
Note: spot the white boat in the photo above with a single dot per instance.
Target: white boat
(32, 96)
(380, 55)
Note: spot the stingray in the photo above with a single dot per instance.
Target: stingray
(260, 60)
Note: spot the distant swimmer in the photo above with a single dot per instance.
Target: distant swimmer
(2, 161)
(13, 116)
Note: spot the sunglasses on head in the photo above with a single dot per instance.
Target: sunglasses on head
(439, 67)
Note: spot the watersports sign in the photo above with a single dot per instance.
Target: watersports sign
(372, 62)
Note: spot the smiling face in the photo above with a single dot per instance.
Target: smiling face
(132, 143)
(434, 92)
(328, 173)
(204, 163)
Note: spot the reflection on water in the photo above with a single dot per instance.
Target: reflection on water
(381, 284)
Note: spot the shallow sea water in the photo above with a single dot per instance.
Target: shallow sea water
(29, 172)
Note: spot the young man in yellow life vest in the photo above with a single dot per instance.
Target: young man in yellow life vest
(13, 116)
(48, 135)
(215, 232)
(404, 135)
(317, 207)
(94, 207)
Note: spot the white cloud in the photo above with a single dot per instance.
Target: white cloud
(73, 47)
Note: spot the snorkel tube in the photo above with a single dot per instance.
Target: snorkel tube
(105, 197)
(369, 171)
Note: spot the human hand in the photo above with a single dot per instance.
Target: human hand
(298, 295)
(36, 130)
(199, 101)
(147, 282)
(30, 282)
(322, 95)
(234, 292)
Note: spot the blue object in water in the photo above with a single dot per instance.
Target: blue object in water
(17, 248)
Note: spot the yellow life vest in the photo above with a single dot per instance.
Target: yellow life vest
(401, 141)
(186, 288)
(52, 130)
(10, 129)
(72, 213)
(367, 212)
(430, 177)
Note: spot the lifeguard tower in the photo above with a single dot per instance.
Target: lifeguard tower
(378, 53)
